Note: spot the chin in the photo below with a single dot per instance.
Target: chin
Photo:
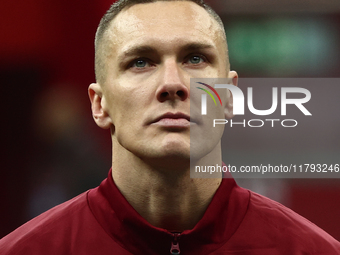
(172, 155)
(175, 151)
(169, 164)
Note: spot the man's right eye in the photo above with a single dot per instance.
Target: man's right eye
(139, 63)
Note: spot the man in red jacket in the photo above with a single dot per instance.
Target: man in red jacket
(146, 53)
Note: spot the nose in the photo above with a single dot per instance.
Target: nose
(173, 85)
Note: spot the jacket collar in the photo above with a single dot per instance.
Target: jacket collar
(123, 223)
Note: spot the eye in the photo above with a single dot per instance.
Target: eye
(139, 63)
(196, 60)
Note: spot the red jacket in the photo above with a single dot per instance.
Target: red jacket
(101, 221)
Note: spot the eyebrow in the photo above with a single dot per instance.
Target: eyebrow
(137, 50)
(197, 46)
(144, 49)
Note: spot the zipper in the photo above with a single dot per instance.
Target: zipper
(174, 250)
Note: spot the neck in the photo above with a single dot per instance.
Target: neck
(166, 198)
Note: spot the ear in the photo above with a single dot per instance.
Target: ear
(228, 110)
(99, 111)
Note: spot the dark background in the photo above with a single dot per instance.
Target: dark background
(51, 149)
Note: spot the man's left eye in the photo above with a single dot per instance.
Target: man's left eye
(195, 60)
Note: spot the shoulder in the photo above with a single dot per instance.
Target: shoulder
(279, 216)
(283, 228)
(48, 230)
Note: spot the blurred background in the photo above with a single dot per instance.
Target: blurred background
(51, 150)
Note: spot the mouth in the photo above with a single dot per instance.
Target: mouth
(173, 120)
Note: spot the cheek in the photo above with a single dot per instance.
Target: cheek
(208, 72)
(127, 106)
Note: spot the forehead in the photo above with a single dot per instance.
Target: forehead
(163, 22)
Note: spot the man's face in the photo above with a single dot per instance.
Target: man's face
(152, 52)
